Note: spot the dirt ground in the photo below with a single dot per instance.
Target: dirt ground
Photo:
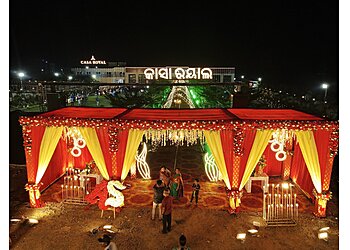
(63, 226)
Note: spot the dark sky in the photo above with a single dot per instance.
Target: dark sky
(288, 43)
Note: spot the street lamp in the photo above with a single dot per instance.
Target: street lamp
(259, 79)
(70, 78)
(325, 87)
(21, 75)
(56, 74)
(242, 76)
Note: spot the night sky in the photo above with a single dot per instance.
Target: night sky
(294, 44)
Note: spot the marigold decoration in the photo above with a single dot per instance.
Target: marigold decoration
(333, 142)
(238, 141)
(113, 135)
(178, 125)
(34, 194)
(234, 197)
(321, 202)
(27, 139)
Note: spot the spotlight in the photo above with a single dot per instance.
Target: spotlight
(252, 231)
(241, 236)
(33, 221)
(323, 236)
(323, 229)
(15, 220)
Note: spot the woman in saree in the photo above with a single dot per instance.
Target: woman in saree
(177, 185)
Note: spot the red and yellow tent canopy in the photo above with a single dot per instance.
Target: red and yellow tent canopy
(236, 137)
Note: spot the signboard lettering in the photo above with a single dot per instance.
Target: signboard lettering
(178, 73)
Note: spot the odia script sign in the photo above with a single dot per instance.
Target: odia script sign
(178, 73)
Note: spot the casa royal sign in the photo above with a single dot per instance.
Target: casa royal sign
(92, 61)
(178, 73)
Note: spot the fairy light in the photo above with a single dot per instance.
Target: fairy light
(179, 92)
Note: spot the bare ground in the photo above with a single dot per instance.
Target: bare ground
(63, 226)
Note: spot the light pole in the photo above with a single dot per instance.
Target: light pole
(21, 75)
(325, 87)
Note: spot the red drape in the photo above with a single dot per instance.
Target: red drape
(57, 164)
(273, 166)
(85, 157)
(322, 144)
(247, 146)
(299, 172)
(32, 164)
(103, 137)
(227, 147)
(123, 139)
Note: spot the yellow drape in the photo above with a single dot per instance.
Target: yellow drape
(214, 142)
(261, 140)
(93, 144)
(47, 148)
(134, 139)
(309, 150)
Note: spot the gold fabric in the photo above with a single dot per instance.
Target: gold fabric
(93, 144)
(214, 142)
(47, 148)
(261, 140)
(309, 150)
(134, 139)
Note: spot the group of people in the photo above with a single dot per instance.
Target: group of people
(174, 183)
(167, 189)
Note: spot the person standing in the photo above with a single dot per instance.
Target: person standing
(158, 190)
(177, 185)
(164, 175)
(195, 190)
(167, 207)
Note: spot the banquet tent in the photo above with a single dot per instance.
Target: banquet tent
(237, 139)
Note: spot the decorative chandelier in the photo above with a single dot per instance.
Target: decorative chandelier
(280, 138)
(73, 136)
